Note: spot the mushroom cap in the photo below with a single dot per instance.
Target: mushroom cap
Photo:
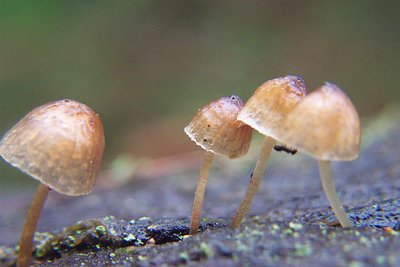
(324, 125)
(216, 129)
(60, 144)
(268, 106)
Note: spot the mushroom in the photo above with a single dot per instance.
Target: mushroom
(61, 145)
(325, 125)
(265, 111)
(216, 130)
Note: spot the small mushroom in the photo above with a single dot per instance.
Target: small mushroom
(265, 111)
(325, 125)
(61, 145)
(216, 130)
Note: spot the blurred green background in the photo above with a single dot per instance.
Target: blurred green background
(147, 66)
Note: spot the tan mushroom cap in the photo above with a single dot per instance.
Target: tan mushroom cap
(268, 106)
(216, 129)
(324, 125)
(60, 144)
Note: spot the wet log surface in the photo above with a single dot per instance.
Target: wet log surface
(146, 222)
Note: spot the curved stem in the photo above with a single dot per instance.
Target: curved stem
(255, 181)
(330, 191)
(200, 190)
(28, 230)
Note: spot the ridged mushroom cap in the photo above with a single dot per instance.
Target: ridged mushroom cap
(268, 106)
(216, 129)
(324, 125)
(60, 144)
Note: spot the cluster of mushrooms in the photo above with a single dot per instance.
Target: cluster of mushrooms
(323, 124)
(61, 143)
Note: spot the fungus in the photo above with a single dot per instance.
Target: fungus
(216, 130)
(61, 145)
(265, 111)
(325, 125)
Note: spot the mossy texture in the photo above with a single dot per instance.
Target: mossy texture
(290, 223)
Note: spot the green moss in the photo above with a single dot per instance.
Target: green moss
(205, 220)
(206, 250)
(347, 248)
(364, 240)
(355, 264)
(113, 232)
(295, 226)
(70, 241)
(302, 249)
(184, 256)
(241, 247)
(101, 230)
(380, 260)
(139, 242)
(275, 226)
(142, 258)
(256, 233)
(130, 237)
(287, 231)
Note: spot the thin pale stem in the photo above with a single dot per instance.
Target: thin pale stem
(200, 190)
(330, 191)
(255, 181)
(28, 230)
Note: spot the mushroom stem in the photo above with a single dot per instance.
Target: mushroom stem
(200, 190)
(330, 191)
(28, 230)
(255, 181)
